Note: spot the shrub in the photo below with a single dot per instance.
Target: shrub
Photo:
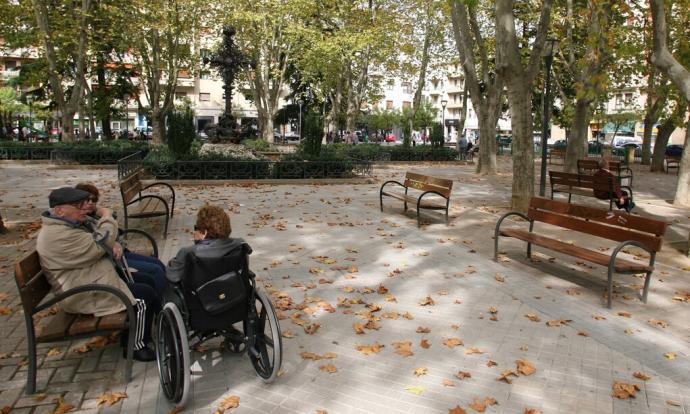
(313, 134)
(257, 144)
(436, 136)
(180, 133)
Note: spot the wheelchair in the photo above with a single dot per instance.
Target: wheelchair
(215, 294)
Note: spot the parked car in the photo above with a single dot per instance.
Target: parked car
(674, 149)
(390, 138)
(560, 144)
(291, 136)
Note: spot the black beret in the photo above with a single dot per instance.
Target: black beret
(66, 195)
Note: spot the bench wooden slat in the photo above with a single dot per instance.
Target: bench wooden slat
(575, 251)
(595, 229)
(438, 200)
(629, 221)
(55, 327)
(83, 324)
(113, 322)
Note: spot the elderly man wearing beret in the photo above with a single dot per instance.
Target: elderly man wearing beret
(72, 256)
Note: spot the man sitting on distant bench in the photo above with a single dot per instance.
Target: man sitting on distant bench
(72, 257)
(622, 198)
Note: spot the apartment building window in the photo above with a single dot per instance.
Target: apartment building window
(204, 97)
(435, 82)
(389, 104)
(407, 104)
(390, 85)
(10, 64)
(407, 87)
(628, 98)
(205, 74)
(435, 99)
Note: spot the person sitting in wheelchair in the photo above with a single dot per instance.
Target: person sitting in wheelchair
(208, 274)
(210, 289)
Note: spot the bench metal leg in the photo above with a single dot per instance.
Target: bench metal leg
(31, 377)
(418, 220)
(610, 286)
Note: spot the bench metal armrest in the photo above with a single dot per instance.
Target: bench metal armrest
(626, 243)
(59, 297)
(172, 190)
(170, 187)
(165, 203)
(498, 227)
(431, 192)
(391, 182)
(147, 236)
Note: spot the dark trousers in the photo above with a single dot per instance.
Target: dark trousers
(626, 200)
(149, 271)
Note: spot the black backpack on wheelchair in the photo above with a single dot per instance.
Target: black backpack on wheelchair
(216, 292)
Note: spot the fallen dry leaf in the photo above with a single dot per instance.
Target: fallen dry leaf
(624, 314)
(473, 350)
(370, 349)
(499, 278)
(423, 329)
(457, 410)
(659, 323)
(557, 322)
(623, 390)
(463, 374)
(312, 328)
(505, 374)
(452, 342)
(420, 371)
(641, 375)
(54, 351)
(480, 405)
(531, 411)
(532, 317)
(673, 403)
(110, 398)
(359, 328)
(330, 368)
(415, 389)
(598, 317)
(447, 383)
(670, 355)
(427, 301)
(286, 333)
(525, 367)
(425, 344)
(403, 348)
(61, 408)
(228, 403)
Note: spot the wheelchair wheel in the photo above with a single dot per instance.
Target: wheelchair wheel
(267, 356)
(172, 355)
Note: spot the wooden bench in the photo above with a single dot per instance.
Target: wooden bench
(624, 228)
(42, 326)
(556, 154)
(589, 165)
(673, 161)
(584, 185)
(138, 205)
(438, 188)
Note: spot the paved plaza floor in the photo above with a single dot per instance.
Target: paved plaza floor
(441, 320)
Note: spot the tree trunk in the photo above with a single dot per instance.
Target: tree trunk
(523, 146)
(665, 131)
(68, 126)
(158, 121)
(267, 131)
(683, 187)
(487, 143)
(100, 73)
(647, 139)
(654, 106)
(577, 142)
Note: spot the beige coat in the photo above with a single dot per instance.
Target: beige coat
(71, 257)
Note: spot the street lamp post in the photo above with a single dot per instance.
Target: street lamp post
(126, 98)
(299, 127)
(29, 100)
(443, 118)
(551, 45)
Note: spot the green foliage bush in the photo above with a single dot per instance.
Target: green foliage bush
(436, 137)
(181, 133)
(313, 134)
(257, 144)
